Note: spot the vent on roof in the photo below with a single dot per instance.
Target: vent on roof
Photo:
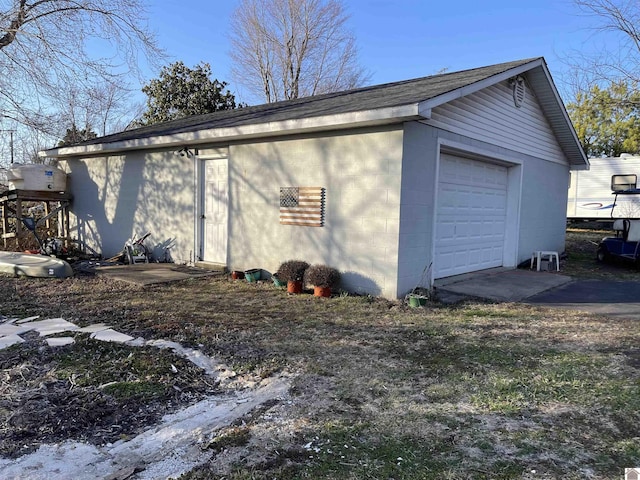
(519, 90)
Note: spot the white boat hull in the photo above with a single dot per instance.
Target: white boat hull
(29, 265)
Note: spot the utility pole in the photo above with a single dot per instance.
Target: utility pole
(11, 132)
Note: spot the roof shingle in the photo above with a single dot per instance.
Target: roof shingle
(361, 99)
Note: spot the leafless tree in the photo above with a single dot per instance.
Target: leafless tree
(284, 49)
(619, 20)
(49, 48)
(103, 108)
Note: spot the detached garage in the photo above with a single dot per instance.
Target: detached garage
(393, 184)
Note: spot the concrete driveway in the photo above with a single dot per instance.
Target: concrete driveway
(498, 284)
(618, 299)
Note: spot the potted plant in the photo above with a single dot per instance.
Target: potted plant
(323, 278)
(292, 272)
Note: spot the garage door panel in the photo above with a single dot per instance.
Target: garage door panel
(471, 216)
(456, 197)
(459, 228)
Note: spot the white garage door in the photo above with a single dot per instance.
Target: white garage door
(471, 216)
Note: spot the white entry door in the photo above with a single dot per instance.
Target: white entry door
(471, 216)
(215, 185)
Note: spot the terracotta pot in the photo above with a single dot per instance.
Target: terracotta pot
(294, 287)
(236, 275)
(321, 291)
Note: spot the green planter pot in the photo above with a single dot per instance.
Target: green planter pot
(252, 275)
(277, 282)
(416, 301)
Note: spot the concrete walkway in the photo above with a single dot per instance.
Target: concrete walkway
(11, 330)
(167, 450)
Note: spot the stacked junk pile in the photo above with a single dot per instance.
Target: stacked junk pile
(35, 221)
(34, 211)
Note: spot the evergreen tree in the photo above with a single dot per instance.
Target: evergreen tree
(75, 135)
(607, 121)
(181, 91)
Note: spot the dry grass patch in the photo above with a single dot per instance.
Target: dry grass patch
(383, 391)
(581, 246)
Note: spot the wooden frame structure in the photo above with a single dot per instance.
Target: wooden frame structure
(11, 202)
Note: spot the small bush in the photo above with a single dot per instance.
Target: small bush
(292, 271)
(322, 276)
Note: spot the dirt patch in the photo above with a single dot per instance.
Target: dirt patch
(89, 391)
(170, 449)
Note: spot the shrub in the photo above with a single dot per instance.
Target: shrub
(292, 270)
(322, 276)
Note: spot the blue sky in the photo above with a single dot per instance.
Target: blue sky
(400, 39)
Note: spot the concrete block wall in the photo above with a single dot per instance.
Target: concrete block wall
(361, 172)
(417, 205)
(117, 197)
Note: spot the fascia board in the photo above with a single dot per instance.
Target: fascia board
(564, 113)
(342, 121)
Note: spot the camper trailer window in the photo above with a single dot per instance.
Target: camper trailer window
(621, 183)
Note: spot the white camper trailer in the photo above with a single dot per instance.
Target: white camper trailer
(591, 194)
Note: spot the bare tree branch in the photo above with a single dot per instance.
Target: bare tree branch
(620, 20)
(284, 49)
(50, 49)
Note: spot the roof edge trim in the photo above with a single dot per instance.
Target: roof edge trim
(342, 121)
(479, 85)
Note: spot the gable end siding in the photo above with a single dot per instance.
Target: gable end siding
(491, 116)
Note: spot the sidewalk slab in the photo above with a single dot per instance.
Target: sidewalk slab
(7, 329)
(60, 341)
(96, 327)
(151, 273)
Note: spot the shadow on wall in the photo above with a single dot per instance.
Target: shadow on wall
(162, 251)
(90, 204)
(362, 283)
(114, 201)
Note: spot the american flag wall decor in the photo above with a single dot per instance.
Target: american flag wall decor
(302, 206)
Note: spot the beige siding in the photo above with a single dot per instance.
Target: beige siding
(361, 174)
(491, 116)
(117, 197)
